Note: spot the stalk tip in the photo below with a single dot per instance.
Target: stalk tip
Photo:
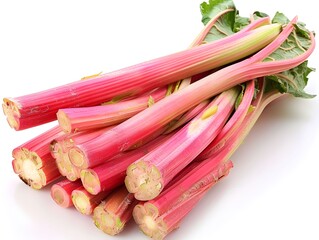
(144, 180)
(146, 216)
(90, 181)
(64, 121)
(28, 165)
(59, 195)
(11, 111)
(77, 158)
(81, 202)
(107, 222)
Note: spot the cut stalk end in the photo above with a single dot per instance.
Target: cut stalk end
(28, 165)
(81, 202)
(11, 111)
(144, 180)
(66, 168)
(90, 181)
(77, 158)
(106, 221)
(146, 216)
(60, 196)
(64, 121)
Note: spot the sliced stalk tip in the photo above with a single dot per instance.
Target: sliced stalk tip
(11, 111)
(77, 158)
(90, 181)
(144, 180)
(27, 165)
(81, 202)
(106, 221)
(64, 122)
(146, 216)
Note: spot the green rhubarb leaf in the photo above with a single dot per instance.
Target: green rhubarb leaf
(296, 43)
(259, 14)
(225, 24)
(280, 18)
(240, 23)
(292, 81)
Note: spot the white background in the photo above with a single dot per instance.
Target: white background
(272, 192)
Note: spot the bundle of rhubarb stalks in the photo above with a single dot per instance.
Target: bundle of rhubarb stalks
(150, 140)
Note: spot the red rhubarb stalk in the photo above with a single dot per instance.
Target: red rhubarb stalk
(147, 177)
(60, 151)
(112, 214)
(38, 108)
(88, 118)
(112, 173)
(233, 123)
(61, 192)
(160, 216)
(85, 202)
(33, 161)
(151, 119)
(80, 119)
(240, 133)
(189, 115)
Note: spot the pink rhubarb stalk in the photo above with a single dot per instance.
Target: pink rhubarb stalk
(189, 115)
(60, 151)
(85, 202)
(88, 118)
(112, 173)
(250, 119)
(147, 177)
(33, 161)
(38, 108)
(80, 119)
(160, 216)
(112, 214)
(151, 119)
(233, 123)
(61, 192)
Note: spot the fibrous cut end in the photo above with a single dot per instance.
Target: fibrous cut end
(11, 111)
(64, 121)
(81, 202)
(90, 181)
(28, 165)
(66, 168)
(107, 222)
(146, 216)
(144, 180)
(60, 196)
(77, 158)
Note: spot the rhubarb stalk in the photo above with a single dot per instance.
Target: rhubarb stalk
(88, 118)
(38, 108)
(147, 177)
(33, 161)
(112, 173)
(127, 133)
(158, 217)
(60, 151)
(85, 202)
(113, 213)
(61, 192)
